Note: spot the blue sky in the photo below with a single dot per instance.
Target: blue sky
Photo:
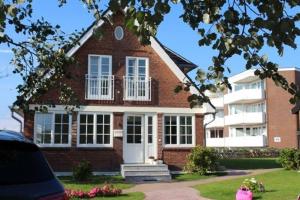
(173, 33)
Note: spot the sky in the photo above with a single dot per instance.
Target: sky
(173, 33)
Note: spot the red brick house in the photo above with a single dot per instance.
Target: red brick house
(129, 111)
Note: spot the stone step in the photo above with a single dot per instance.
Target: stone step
(165, 178)
(144, 167)
(146, 173)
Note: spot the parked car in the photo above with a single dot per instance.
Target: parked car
(24, 171)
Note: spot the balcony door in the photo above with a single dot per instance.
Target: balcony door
(136, 80)
(99, 77)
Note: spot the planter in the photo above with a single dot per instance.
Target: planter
(244, 194)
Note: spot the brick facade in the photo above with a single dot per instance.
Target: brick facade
(280, 121)
(163, 83)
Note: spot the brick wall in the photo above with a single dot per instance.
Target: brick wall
(163, 84)
(280, 121)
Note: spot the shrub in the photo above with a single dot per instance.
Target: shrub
(82, 171)
(201, 160)
(248, 152)
(253, 185)
(106, 190)
(290, 158)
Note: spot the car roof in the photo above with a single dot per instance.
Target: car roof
(7, 135)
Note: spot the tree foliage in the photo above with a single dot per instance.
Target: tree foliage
(232, 27)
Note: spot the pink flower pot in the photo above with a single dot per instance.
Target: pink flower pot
(243, 194)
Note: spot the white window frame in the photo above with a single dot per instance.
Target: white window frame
(99, 64)
(178, 145)
(94, 130)
(137, 59)
(52, 130)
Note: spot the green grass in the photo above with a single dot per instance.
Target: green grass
(282, 184)
(195, 176)
(250, 163)
(117, 181)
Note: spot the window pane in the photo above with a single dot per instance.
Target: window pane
(65, 139)
(189, 120)
(106, 129)
(129, 138)
(99, 139)
(99, 119)
(182, 139)
(89, 139)
(82, 139)
(65, 128)
(129, 129)
(138, 139)
(173, 120)
(90, 119)
(167, 120)
(106, 139)
(174, 139)
(189, 139)
(90, 129)
(82, 118)
(173, 130)
(167, 139)
(106, 119)
(57, 128)
(65, 118)
(182, 120)
(57, 138)
(82, 129)
(57, 118)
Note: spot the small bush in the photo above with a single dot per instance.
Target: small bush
(201, 160)
(83, 171)
(248, 152)
(290, 159)
(253, 185)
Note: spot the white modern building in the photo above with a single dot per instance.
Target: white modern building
(245, 113)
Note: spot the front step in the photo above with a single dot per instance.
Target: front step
(145, 172)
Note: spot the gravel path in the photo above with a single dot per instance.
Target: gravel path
(183, 190)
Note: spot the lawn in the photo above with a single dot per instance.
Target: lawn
(250, 163)
(282, 184)
(116, 181)
(195, 176)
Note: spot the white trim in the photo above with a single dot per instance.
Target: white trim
(141, 109)
(154, 44)
(178, 145)
(170, 63)
(94, 145)
(100, 63)
(53, 113)
(86, 36)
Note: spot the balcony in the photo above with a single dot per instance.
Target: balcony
(99, 87)
(137, 88)
(218, 102)
(218, 122)
(245, 118)
(244, 141)
(244, 96)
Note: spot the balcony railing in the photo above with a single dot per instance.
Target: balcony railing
(244, 96)
(243, 141)
(99, 87)
(137, 88)
(245, 118)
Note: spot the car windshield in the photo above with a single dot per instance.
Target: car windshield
(22, 163)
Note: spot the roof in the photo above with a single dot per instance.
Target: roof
(182, 63)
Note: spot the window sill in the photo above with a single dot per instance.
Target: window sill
(53, 146)
(179, 146)
(94, 146)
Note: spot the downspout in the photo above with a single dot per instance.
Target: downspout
(17, 119)
(204, 126)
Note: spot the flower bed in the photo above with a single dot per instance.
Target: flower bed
(106, 190)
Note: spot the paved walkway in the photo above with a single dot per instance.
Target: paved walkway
(183, 190)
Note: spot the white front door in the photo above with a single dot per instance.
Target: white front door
(139, 138)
